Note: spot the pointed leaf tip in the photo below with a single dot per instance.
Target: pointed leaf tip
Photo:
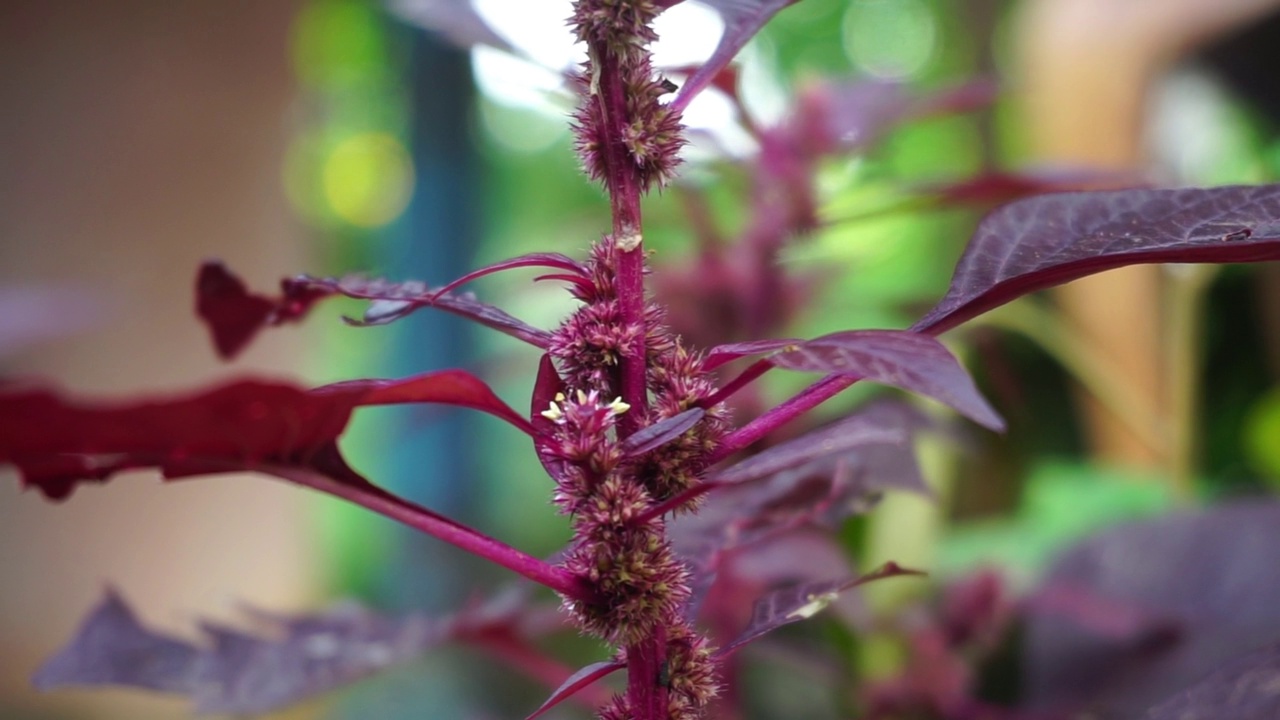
(576, 682)
(1048, 240)
(903, 359)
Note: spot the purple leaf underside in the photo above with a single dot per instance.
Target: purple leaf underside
(1247, 688)
(742, 20)
(801, 602)
(391, 301)
(233, 671)
(577, 681)
(1200, 587)
(906, 360)
(1049, 240)
(817, 479)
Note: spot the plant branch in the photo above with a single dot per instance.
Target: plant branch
(450, 531)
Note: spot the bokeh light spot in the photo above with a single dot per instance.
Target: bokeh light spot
(892, 39)
(368, 179)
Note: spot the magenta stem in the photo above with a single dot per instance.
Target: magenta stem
(646, 694)
(755, 370)
(452, 532)
(622, 181)
(781, 414)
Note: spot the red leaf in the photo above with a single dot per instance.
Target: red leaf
(57, 443)
(551, 260)
(546, 387)
(1049, 240)
(576, 682)
(660, 433)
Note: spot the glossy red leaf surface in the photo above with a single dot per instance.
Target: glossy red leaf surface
(902, 359)
(546, 387)
(57, 442)
(1049, 240)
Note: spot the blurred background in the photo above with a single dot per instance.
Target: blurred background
(139, 137)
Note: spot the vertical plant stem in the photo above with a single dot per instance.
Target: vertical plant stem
(1183, 327)
(623, 185)
(647, 697)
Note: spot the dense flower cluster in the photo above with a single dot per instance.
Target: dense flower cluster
(617, 33)
(640, 584)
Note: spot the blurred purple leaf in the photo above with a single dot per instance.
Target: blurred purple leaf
(113, 648)
(455, 20)
(1246, 688)
(998, 187)
(662, 432)
(1200, 587)
(836, 117)
(34, 312)
(793, 604)
(576, 682)
(1049, 240)
(742, 20)
(235, 672)
(907, 360)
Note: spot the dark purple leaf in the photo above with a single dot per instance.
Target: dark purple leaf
(234, 672)
(576, 682)
(902, 359)
(816, 485)
(661, 432)
(456, 20)
(793, 604)
(1199, 589)
(858, 430)
(1246, 688)
(392, 301)
(742, 20)
(1049, 240)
